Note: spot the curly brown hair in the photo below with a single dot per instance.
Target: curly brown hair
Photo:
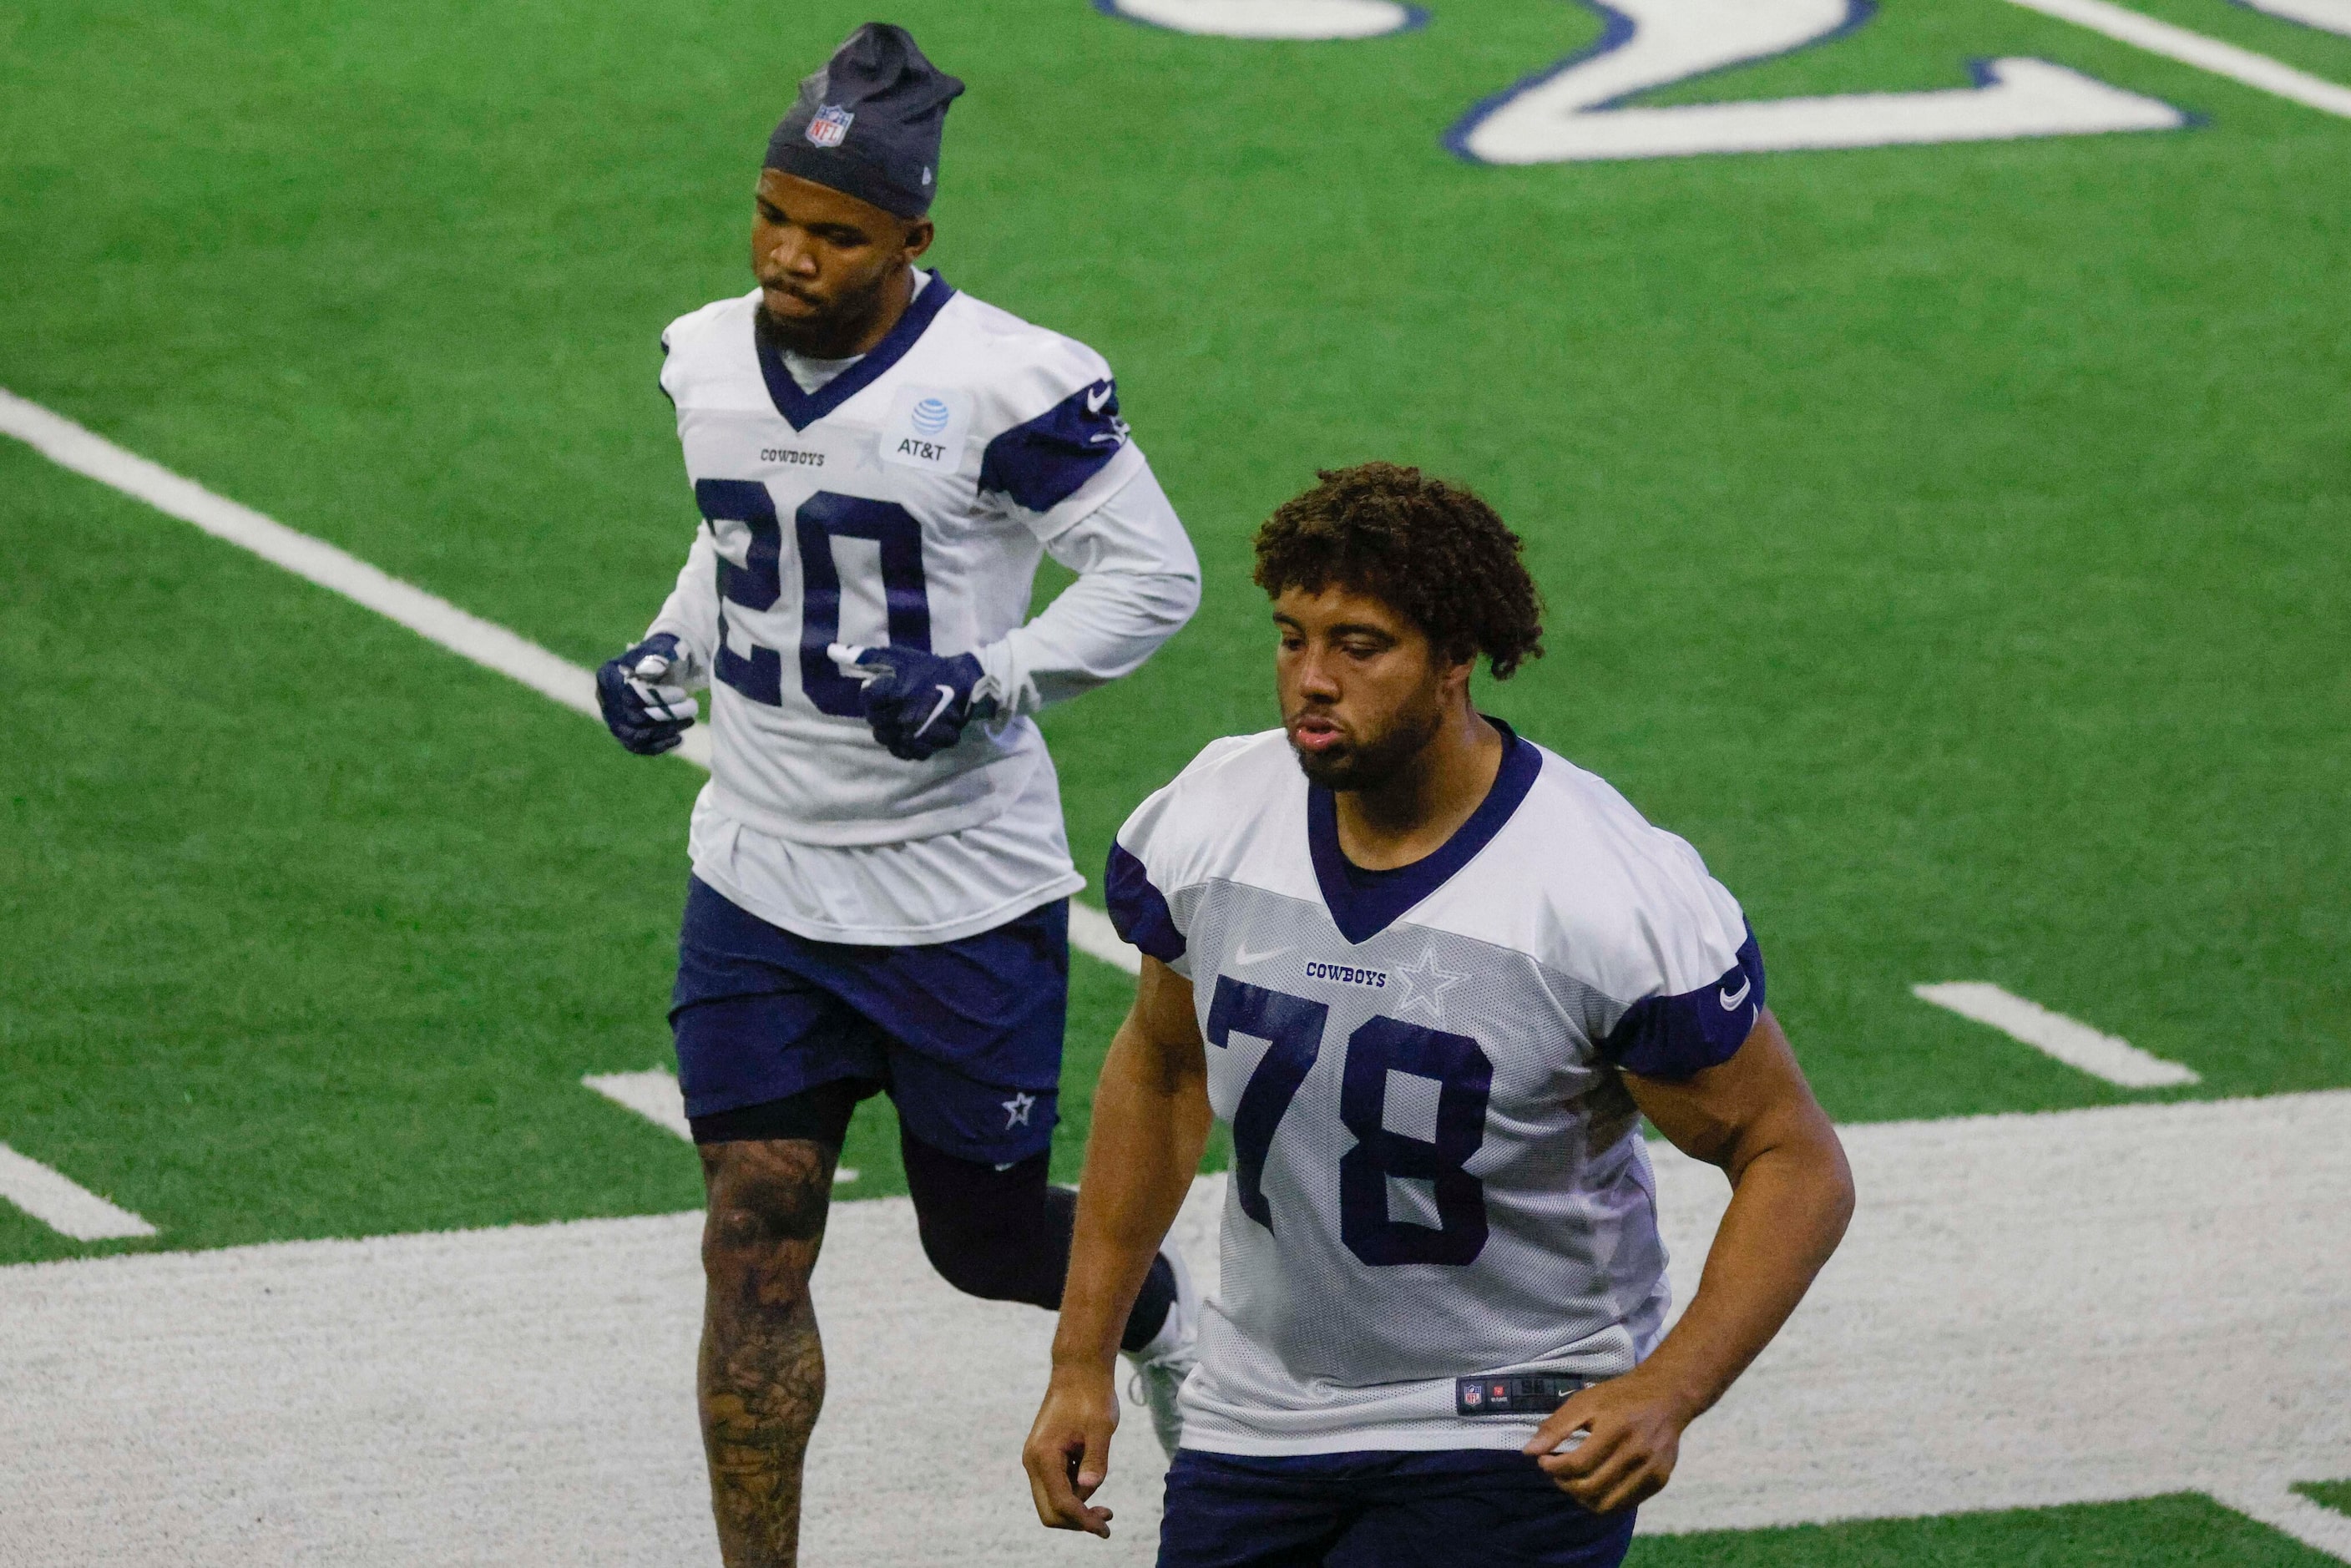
(1432, 552)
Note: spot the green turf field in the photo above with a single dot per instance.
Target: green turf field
(1946, 539)
(2180, 1532)
(1949, 540)
(2335, 1494)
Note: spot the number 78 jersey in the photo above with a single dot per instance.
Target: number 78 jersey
(907, 501)
(1437, 1179)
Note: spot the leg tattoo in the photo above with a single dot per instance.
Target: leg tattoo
(762, 1367)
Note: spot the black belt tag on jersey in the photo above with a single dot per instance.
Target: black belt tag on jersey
(1516, 1394)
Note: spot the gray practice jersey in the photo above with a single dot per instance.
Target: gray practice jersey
(1437, 1176)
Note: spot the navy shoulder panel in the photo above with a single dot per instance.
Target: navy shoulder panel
(1681, 1036)
(1138, 909)
(1042, 464)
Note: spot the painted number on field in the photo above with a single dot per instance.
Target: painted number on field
(1580, 109)
(1574, 112)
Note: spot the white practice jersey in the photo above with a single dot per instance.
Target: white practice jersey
(906, 500)
(1438, 1190)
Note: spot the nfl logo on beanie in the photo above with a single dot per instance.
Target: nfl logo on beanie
(879, 81)
(830, 127)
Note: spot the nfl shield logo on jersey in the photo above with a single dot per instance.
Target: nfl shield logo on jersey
(831, 126)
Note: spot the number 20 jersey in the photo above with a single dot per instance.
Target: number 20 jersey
(907, 501)
(1437, 1169)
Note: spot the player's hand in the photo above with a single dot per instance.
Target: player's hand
(916, 702)
(644, 708)
(1632, 1434)
(1068, 1451)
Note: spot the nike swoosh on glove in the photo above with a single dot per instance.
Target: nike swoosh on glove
(643, 713)
(917, 702)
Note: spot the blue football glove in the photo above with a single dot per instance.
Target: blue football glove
(917, 702)
(643, 709)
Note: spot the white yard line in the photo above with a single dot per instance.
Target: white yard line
(2282, 1509)
(2070, 1040)
(430, 616)
(2080, 1307)
(654, 1094)
(2175, 43)
(64, 1205)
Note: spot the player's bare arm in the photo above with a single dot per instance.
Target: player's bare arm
(1792, 1193)
(1151, 1122)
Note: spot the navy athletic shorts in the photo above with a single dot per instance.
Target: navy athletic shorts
(965, 1035)
(1474, 1507)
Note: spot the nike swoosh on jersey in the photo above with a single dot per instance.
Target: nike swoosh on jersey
(946, 695)
(1246, 956)
(1729, 1002)
(1096, 398)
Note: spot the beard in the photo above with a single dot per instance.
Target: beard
(1375, 762)
(832, 333)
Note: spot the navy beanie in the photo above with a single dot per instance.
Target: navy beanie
(868, 125)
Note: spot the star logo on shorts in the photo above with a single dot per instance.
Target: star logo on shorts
(1016, 1109)
(1424, 984)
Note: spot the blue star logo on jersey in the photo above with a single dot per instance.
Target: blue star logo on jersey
(1425, 983)
(1016, 1109)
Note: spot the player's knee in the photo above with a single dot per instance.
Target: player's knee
(767, 1206)
(752, 1270)
(984, 1263)
(1001, 1234)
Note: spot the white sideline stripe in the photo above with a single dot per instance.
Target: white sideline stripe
(2029, 1311)
(654, 1094)
(2173, 43)
(2312, 1522)
(64, 1205)
(2070, 1040)
(430, 616)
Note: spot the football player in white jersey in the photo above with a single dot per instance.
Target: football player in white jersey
(1432, 975)
(881, 878)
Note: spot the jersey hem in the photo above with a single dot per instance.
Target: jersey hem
(956, 930)
(892, 936)
(1419, 1438)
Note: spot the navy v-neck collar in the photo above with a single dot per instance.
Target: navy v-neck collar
(1362, 903)
(802, 408)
